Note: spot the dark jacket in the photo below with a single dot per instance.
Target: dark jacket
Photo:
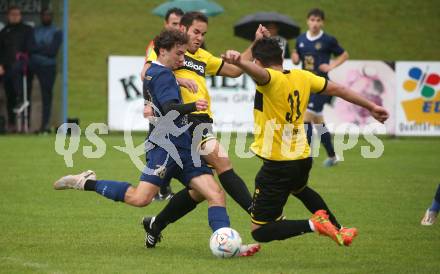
(14, 39)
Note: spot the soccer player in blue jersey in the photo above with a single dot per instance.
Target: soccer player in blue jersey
(314, 49)
(170, 145)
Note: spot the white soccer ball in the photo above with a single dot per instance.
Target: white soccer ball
(225, 243)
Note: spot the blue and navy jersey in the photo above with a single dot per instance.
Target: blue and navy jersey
(162, 86)
(317, 52)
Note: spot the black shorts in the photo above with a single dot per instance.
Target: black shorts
(201, 133)
(275, 181)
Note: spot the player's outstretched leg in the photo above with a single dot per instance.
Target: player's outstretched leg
(284, 229)
(74, 181)
(139, 196)
(323, 226)
(314, 202)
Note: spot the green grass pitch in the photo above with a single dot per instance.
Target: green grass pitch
(48, 231)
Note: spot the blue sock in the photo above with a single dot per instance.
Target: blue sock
(436, 202)
(309, 130)
(326, 140)
(218, 217)
(112, 190)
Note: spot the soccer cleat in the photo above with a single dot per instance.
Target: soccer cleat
(329, 162)
(348, 234)
(74, 181)
(168, 194)
(158, 197)
(429, 218)
(151, 235)
(324, 227)
(249, 250)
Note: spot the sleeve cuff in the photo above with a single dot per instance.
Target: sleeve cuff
(325, 86)
(220, 68)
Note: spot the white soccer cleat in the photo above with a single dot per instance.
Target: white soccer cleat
(429, 218)
(249, 250)
(74, 181)
(329, 162)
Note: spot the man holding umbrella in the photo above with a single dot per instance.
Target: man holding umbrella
(280, 27)
(314, 49)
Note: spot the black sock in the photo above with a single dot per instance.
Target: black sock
(309, 130)
(326, 140)
(178, 206)
(314, 202)
(165, 189)
(90, 185)
(281, 230)
(236, 188)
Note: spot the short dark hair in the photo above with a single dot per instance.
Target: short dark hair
(176, 11)
(316, 12)
(189, 17)
(46, 10)
(167, 39)
(268, 52)
(13, 7)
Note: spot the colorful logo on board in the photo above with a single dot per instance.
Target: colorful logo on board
(426, 108)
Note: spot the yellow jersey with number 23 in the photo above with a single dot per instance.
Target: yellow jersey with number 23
(279, 109)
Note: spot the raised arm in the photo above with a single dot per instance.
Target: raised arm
(233, 71)
(333, 89)
(260, 75)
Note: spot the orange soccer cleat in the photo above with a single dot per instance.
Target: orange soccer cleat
(324, 227)
(348, 234)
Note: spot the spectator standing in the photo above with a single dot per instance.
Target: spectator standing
(16, 42)
(48, 39)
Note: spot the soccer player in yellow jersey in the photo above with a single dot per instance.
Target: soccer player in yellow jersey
(171, 21)
(191, 77)
(280, 141)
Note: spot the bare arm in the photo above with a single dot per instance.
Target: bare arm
(144, 70)
(334, 89)
(335, 62)
(260, 75)
(295, 58)
(234, 71)
(188, 83)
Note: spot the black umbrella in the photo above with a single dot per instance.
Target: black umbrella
(247, 25)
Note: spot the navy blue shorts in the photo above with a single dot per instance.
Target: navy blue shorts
(161, 167)
(317, 102)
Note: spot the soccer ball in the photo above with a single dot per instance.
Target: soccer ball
(225, 243)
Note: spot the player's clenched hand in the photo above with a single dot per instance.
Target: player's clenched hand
(232, 57)
(148, 111)
(379, 113)
(261, 32)
(201, 104)
(188, 83)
